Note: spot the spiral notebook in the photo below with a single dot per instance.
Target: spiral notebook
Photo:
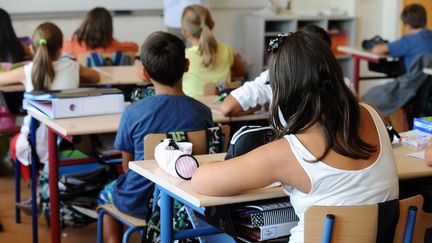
(263, 213)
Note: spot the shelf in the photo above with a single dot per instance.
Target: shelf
(258, 30)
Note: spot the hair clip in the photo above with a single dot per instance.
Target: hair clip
(277, 42)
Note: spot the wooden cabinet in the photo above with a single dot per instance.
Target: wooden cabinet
(258, 30)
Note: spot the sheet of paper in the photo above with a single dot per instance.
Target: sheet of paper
(418, 155)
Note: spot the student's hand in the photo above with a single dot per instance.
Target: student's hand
(231, 107)
(428, 155)
(89, 75)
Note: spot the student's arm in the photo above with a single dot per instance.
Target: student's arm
(231, 107)
(15, 76)
(89, 75)
(273, 162)
(237, 69)
(126, 157)
(248, 98)
(380, 49)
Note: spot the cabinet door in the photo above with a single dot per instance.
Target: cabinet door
(428, 6)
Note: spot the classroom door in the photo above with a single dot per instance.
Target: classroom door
(427, 4)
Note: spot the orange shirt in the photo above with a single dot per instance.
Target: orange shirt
(73, 48)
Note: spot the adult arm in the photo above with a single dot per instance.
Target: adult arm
(89, 75)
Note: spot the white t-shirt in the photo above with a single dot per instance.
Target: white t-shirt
(66, 77)
(254, 93)
(173, 10)
(257, 92)
(336, 187)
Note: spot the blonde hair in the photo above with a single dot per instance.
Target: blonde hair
(47, 41)
(198, 22)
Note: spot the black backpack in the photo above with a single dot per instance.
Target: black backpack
(248, 138)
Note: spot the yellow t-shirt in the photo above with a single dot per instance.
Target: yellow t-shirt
(195, 79)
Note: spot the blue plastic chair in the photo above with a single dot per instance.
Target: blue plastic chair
(359, 223)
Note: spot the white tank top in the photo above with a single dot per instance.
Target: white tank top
(66, 77)
(336, 187)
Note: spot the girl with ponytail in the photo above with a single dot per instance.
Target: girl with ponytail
(47, 71)
(210, 60)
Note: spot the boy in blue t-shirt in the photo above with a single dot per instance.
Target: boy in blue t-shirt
(417, 41)
(164, 62)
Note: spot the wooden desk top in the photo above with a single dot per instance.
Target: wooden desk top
(80, 125)
(109, 123)
(408, 168)
(115, 75)
(354, 50)
(151, 170)
(427, 71)
(217, 114)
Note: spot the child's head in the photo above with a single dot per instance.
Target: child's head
(414, 15)
(320, 32)
(47, 43)
(163, 58)
(308, 88)
(10, 47)
(97, 29)
(198, 23)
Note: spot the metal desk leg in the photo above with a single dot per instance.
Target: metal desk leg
(34, 176)
(53, 184)
(166, 218)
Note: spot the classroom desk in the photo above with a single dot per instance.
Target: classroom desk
(173, 188)
(119, 75)
(69, 127)
(114, 75)
(359, 54)
(217, 114)
(427, 71)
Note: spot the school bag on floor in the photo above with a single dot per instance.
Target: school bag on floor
(248, 138)
(79, 187)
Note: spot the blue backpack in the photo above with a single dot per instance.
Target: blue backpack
(95, 59)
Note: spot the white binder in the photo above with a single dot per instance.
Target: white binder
(78, 106)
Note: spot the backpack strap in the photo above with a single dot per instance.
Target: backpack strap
(178, 136)
(96, 60)
(215, 140)
(118, 58)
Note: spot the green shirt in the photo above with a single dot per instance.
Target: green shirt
(198, 76)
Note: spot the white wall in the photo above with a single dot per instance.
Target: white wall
(373, 17)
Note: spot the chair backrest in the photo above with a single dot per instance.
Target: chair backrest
(96, 59)
(403, 216)
(197, 138)
(356, 223)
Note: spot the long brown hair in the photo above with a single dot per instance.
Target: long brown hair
(47, 41)
(198, 22)
(11, 49)
(308, 88)
(97, 29)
